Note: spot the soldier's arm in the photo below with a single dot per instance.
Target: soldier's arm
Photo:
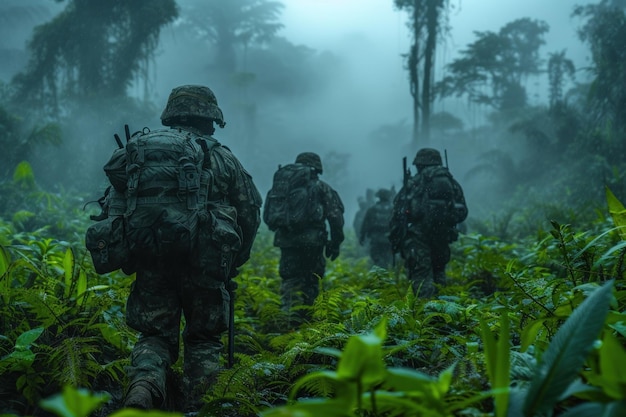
(461, 206)
(334, 215)
(245, 197)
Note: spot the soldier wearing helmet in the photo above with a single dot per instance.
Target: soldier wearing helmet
(425, 214)
(302, 261)
(375, 229)
(196, 284)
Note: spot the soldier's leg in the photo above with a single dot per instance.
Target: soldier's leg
(314, 264)
(440, 258)
(206, 310)
(153, 309)
(291, 278)
(300, 270)
(417, 255)
(381, 254)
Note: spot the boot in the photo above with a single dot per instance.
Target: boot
(139, 396)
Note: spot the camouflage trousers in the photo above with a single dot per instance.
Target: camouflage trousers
(300, 270)
(380, 252)
(160, 296)
(425, 262)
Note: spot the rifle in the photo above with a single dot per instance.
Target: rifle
(399, 221)
(406, 173)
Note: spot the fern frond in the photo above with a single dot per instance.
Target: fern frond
(74, 361)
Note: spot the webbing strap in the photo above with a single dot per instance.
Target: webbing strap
(159, 199)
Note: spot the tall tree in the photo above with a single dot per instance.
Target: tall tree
(427, 23)
(605, 32)
(559, 67)
(498, 61)
(93, 48)
(235, 23)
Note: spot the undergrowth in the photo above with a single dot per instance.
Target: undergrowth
(488, 345)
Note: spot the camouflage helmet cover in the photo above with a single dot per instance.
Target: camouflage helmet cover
(384, 194)
(311, 159)
(427, 156)
(192, 101)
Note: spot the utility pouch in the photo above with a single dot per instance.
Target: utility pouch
(219, 241)
(107, 245)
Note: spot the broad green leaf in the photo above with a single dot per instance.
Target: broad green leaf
(497, 359)
(398, 404)
(561, 362)
(4, 261)
(362, 360)
(613, 353)
(81, 285)
(489, 342)
(24, 175)
(503, 366)
(444, 381)
(405, 379)
(309, 408)
(26, 339)
(74, 402)
(529, 333)
(68, 271)
(617, 211)
(597, 409)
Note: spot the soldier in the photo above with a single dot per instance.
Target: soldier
(364, 204)
(302, 235)
(375, 228)
(193, 282)
(426, 212)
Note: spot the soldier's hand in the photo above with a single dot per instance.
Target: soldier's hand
(332, 251)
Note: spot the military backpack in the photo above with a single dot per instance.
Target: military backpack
(293, 202)
(163, 203)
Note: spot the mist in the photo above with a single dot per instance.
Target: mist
(332, 81)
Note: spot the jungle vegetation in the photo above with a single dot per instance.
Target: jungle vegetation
(532, 322)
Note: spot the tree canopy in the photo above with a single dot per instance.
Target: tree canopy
(92, 49)
(491, 70)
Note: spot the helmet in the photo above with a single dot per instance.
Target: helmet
(427, 156)
(311, 159)
(383, 194)
(192, 101)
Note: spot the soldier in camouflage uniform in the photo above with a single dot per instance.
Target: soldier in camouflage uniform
(302, 261)
(165, 289)
(375, 228)
(364, 204)
(423, 245)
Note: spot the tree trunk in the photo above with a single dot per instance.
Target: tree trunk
(432, 17)
(414, 61)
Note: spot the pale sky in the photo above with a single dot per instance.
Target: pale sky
(322, 24)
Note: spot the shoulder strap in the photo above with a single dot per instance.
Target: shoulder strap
(207, 174)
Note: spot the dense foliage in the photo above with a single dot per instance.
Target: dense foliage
(532, 322)
(537, 324)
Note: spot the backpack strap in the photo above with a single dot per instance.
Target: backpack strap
(188, 175)
(206, 177)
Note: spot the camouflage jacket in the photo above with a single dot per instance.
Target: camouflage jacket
(238, 189)
(317, 234)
